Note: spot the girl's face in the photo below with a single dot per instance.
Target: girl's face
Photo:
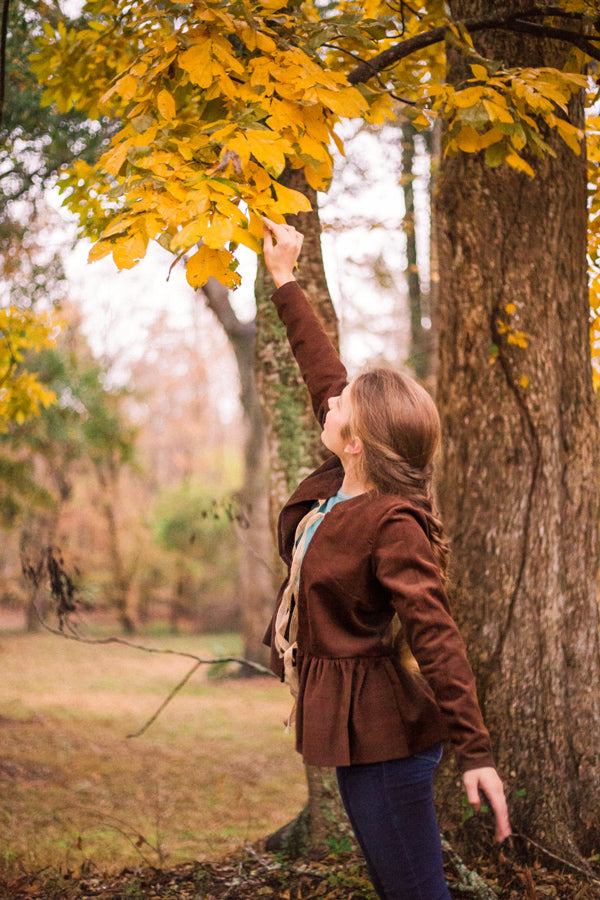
(335, 420)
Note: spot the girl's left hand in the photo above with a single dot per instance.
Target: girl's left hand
(487, 780)
(281, 254)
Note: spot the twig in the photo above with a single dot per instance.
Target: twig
(565, 862)
(166, 701)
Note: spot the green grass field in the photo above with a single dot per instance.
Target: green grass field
(215, 770)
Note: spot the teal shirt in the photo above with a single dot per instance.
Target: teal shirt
(324, 507)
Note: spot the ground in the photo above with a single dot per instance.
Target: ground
(251, 874)
(178, 813)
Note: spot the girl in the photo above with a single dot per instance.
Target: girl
(362, 542)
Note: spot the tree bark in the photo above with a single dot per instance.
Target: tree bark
(119, 589)
(419, 336)
(295, 449)
(519, 468)
(253, 527)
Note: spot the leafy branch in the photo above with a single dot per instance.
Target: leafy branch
(511, 20)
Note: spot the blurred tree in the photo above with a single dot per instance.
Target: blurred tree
(86, 425)
(194, 525)
(36, 140)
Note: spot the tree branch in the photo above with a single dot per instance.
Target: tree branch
(217, 300)
(198, 661)
(508, 20)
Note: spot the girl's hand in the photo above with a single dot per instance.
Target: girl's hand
(281, 254)
(488, 781)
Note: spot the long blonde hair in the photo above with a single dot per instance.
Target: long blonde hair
(399, 426)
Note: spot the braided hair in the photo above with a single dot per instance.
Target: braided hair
(399, 426)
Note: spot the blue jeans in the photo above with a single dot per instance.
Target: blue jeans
(390, 807)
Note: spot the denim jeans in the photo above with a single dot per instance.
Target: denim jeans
(390, 807)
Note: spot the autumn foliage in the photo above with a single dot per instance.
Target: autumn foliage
(216, 98)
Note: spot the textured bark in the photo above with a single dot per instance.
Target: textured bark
(519, 470)
(253, 528)
(295, 448)
(293, 437)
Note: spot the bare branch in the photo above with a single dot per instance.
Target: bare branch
(166, 701)
(198, 661)
(263, 670)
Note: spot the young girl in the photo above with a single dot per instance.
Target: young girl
(363, 543)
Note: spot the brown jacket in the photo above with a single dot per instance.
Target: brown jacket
(370, 557)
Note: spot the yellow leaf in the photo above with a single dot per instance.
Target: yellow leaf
(480, 72)
(420, 121)
(517, 162)
(219, 232)
(272, 5)
(99, 251)
(127, 86)
(128, 252)
(524, 381)
(265, 43)
(117, 226)
(320, 177)
(112, 161)
(571, 135)
(209, 263)
(468, 140)
(347, 103)
(518, 139)
(197, 62)
(289, 201)
(518, 339)
(268, 149)
(510, 308)
(166, 105)
(493, 136)
(498, 113)
(468, 97)
(189, 235)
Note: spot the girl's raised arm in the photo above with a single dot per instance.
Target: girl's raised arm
(322, 370)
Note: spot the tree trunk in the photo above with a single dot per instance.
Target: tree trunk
(295, 448)
(419, 336)
(107, 475)
(519, 469)
(253, 527)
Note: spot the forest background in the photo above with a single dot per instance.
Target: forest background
(137, 499)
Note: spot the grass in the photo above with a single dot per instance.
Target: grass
(215, 770)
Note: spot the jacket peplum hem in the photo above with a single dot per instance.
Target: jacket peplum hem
(363, 709)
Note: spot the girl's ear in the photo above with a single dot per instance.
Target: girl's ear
(354, 446)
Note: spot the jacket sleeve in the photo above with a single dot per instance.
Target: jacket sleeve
(321, 368)
(405, 566)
